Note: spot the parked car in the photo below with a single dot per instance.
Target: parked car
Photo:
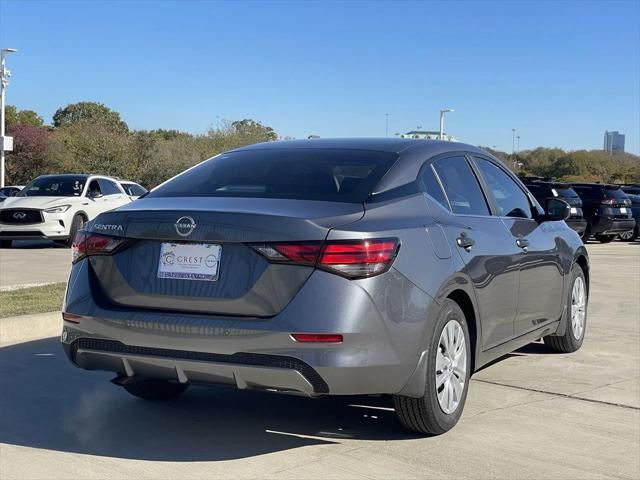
(607, 210)
(55, 207)
(632, 235)
(11, 190)
(3, 197)
(633, 189)
(134, 190)
(543, 190)
(327, 267)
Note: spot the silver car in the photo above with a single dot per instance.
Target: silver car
(327, 267)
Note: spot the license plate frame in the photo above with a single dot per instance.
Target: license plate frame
(189, 261)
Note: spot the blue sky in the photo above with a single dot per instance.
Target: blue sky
(559, 72)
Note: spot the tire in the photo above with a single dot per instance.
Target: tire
(606, 238)
(572, 339)
(586, 234)
(631, 235)
(5, 243)
(155, 389)
(425, 414)
(76, 224)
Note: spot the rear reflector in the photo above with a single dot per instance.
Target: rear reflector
(349, 258)
(317, 337)
(86, 244)
(70, 317)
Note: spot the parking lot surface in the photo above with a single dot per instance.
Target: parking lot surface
(33, 263)
(533, 414)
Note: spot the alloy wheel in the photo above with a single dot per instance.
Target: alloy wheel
(578, 307)
(451, 366)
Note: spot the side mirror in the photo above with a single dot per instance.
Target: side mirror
(556, 210)
(94, 194)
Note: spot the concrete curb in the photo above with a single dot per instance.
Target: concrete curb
(25, 328)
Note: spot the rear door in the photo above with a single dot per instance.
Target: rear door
(483, 243)
(535, 247)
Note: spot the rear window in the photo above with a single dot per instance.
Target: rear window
(306, 174)
(565, 192)
(616, 193)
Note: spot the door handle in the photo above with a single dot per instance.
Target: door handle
(523, 243)
(466, 242)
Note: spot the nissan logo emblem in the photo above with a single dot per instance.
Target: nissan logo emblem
(185, 226)
(19, 215)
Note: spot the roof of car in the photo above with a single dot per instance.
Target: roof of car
(393, 145)
(603, 185)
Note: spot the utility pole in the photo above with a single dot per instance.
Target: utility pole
(513, 148)
(442, 112)
(5, 142)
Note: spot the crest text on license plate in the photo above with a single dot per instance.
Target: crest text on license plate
(189, 261)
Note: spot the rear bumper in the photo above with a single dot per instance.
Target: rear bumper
(579, 225)
(607, 225)
(379, 354)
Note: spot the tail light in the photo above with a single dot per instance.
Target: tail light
(86, 244)
(349, 258)
(609, 201)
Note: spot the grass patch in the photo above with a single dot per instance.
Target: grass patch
(23, 301)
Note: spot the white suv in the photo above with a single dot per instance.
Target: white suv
(56, 206)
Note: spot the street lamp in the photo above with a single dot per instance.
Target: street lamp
(442, 112)
(4, 81)
(513, 147)
(517, 143)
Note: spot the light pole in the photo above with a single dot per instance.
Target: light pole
(513, 147)
(517, 143)
(4, 81)
(386, 129)
(442, 112)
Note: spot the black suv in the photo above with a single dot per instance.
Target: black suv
(607, 210)
(543, 189)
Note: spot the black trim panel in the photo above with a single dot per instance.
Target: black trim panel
(240, 358)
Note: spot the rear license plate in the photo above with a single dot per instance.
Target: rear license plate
(623, 210)
(574, 210)
(189, 261)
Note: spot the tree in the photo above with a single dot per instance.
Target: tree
(252, 130)
(89, 112)
(13, 117)
(30, 157)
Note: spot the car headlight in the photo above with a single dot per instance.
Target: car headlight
(58, 209)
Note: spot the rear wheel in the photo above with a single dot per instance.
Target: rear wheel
(586, 234)
(605, 238)
(5, 243)
(155, 389)
(576, 316)
(76, 224)
(448, 372)
(631, 235)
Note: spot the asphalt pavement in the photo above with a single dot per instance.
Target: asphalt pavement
(533, 414)
(33, 263)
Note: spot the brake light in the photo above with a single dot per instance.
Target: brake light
(86, 244)
(349, 258)
(609, 201)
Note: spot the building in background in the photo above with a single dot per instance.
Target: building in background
(613, 142)
(426, 135)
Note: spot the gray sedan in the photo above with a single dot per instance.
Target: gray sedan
(327, 267)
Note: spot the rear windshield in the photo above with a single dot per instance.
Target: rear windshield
(51, 186)
(566, 192)
(616, 193)
(306, 174)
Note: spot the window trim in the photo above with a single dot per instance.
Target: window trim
(471, 157)
(464, 154)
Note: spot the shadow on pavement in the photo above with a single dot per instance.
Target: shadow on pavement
(47, 403)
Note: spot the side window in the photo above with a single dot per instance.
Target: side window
(433, 187)
(108, 187)
(94, 188)
(509, 197)
(461, 186)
